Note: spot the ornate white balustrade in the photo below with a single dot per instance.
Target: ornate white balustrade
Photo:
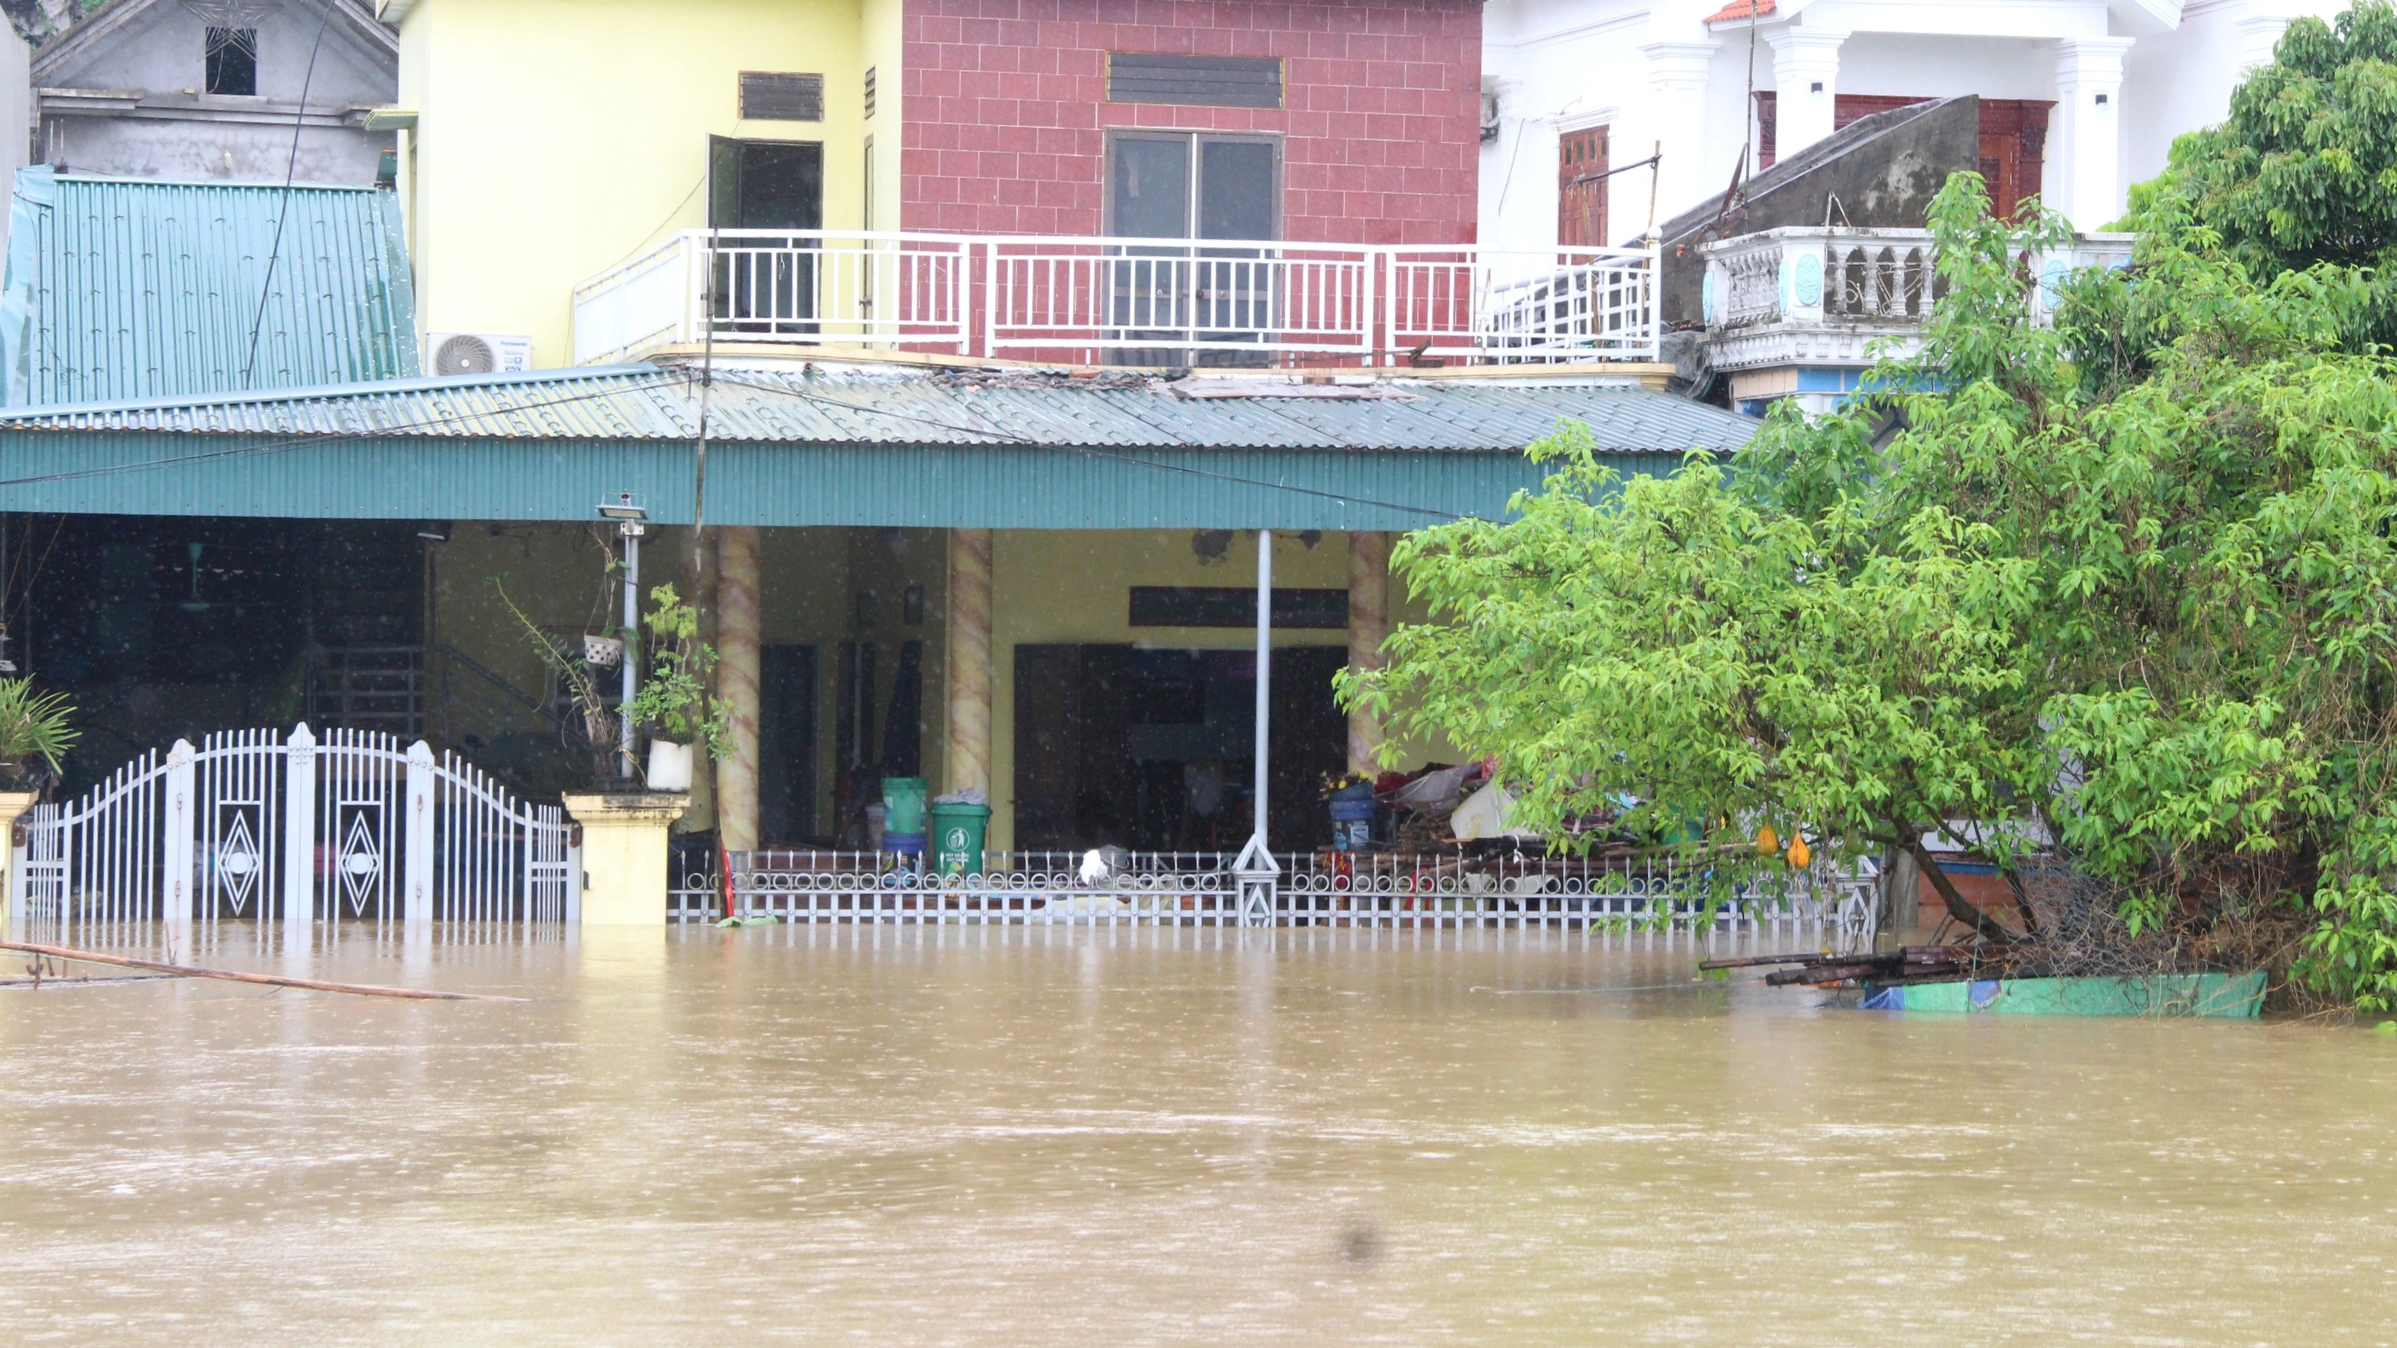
(1122, 301)
(1810, 295)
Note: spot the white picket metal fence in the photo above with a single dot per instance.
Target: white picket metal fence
(255, 825)
(1397, 890)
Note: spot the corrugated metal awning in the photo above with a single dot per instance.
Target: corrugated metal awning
(798, 445)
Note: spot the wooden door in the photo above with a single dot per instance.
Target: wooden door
(1581, 188)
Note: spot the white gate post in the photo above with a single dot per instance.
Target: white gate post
(299, 834)
(417, 878)
(176, 846)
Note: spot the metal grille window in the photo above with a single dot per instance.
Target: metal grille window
(1210, 81)
(768, 97)
(869, 91)
(232, 61)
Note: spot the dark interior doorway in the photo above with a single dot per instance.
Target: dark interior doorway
(1151, 749)
(765, 283)
(786, 734)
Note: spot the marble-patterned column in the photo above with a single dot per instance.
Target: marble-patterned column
(967, 762)
(736, 684)
(1368, 627)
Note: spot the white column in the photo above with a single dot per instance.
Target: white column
(176, 847)
(2259, 32)
(416, 874)
(1677, 75)
(1806, 74)
(2087, 142)
(299, 836)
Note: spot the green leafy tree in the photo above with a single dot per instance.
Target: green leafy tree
(2304, 172)
(2126, 582)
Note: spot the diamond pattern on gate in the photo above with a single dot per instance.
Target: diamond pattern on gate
(239, 863)
(361, 862)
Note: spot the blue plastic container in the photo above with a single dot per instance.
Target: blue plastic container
(1352, 820)
(910, 843)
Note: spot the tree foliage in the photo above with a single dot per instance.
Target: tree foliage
(2304, 172)
(2126, 582)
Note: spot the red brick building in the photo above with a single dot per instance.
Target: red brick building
(1335, 121)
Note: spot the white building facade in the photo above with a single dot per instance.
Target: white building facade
(2080, 98)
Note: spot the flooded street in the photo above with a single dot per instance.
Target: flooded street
(999, 1136)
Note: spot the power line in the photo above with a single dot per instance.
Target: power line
(1002, 437)
(291, 170)
(1086, 452)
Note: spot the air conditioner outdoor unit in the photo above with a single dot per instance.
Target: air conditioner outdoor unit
(457, 353)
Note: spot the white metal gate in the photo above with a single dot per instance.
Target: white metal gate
(349, 828)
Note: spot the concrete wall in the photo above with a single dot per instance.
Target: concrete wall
(557, 138)
(181, 132)
(16, 111)
(1007, 110)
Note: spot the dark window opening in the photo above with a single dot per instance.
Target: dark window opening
(232, 61)
(767, 97)
(1205, 81)
(1235, 606)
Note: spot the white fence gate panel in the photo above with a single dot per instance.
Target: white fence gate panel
(350, 827)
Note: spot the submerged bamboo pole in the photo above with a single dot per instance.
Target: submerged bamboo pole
(270, 980)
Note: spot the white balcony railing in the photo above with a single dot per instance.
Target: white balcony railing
(1122, 301)
(1802, 275)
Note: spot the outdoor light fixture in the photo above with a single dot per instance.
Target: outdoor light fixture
(434, 531)
(624, 508)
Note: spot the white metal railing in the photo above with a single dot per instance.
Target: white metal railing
(1804, 275)
(1433, 889)
(1123, 300)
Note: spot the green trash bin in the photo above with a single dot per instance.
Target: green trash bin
(957, 833)
(903, 804)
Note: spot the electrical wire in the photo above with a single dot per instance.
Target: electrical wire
(291, 171)
(1086, 452)
(310, 441)
(1003, 437)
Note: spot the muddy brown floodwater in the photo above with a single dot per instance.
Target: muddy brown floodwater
(1010, 1136)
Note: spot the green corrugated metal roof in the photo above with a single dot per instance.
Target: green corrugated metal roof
(839, 446)
(135, 288)
(853, 405)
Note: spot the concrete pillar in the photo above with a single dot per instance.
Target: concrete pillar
(13, 805)
(2260, 32)
(736, 684)
(1676, 121)
(967, 761)
(1806, 74)
(624, 855)
(1368, 626)
(2088, 130)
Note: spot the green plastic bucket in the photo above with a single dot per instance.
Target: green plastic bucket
(903, 804)
(957, 833)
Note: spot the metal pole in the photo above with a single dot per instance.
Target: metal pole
(632, 641)
(1264, 673)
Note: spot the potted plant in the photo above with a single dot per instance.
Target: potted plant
(571, 664)
(672, 703)
(34, 735)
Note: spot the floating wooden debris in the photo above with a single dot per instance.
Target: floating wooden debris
(1881, 968)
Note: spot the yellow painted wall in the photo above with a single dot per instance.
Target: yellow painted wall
(1048, 587)
(1058, 586)
(557, 138)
